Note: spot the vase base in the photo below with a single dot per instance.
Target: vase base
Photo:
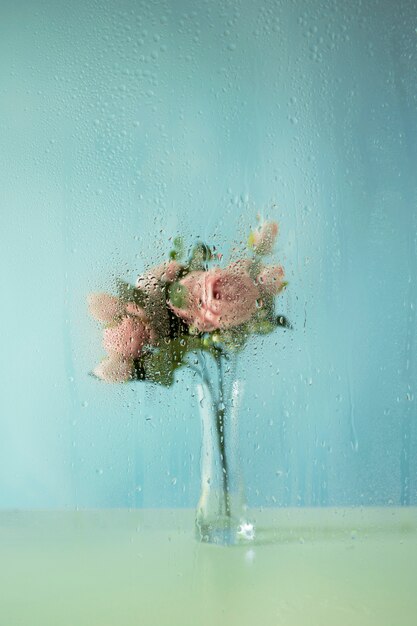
(225, 532)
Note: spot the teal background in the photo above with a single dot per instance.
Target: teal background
(125, 123)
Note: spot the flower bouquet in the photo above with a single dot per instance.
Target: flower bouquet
(193, 312)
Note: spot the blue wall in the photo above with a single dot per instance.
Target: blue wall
(125, 123)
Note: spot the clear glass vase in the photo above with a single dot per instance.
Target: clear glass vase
(221, 516)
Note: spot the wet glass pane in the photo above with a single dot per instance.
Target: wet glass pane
(123, 126)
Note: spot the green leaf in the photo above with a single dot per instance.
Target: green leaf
(233, 339)
(266, 321)
(158, 365)
(283, 322)
(262, 327)
(255, 268)
(266, 310)
(200, 255)
(177, 294)
(158, 368)
(177, 253)
(179, 246)
(129, 293)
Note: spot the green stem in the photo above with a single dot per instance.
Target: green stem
(220, 428)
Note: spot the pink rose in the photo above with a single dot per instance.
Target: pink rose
(134, 309)
(128, 337)
(263, 238)
(219, 298)
(166, 272)
(170, 271)
(114, 369)
(271, 280)
(104, 307)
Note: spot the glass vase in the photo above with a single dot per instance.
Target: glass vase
(221, 516)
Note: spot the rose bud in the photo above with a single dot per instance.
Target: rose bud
(114, 369)
(262, 240)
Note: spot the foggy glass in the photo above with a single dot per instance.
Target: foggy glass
(124, 125)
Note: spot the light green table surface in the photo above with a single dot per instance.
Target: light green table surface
(336, 567)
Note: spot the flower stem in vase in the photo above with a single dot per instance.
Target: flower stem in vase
(220, 416)
(221, 511)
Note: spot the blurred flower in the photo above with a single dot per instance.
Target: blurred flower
(271, 280)
(262, 240)
(128, 337)
(114, 369)
(218, 298)
(104, 307)
(166, 272)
